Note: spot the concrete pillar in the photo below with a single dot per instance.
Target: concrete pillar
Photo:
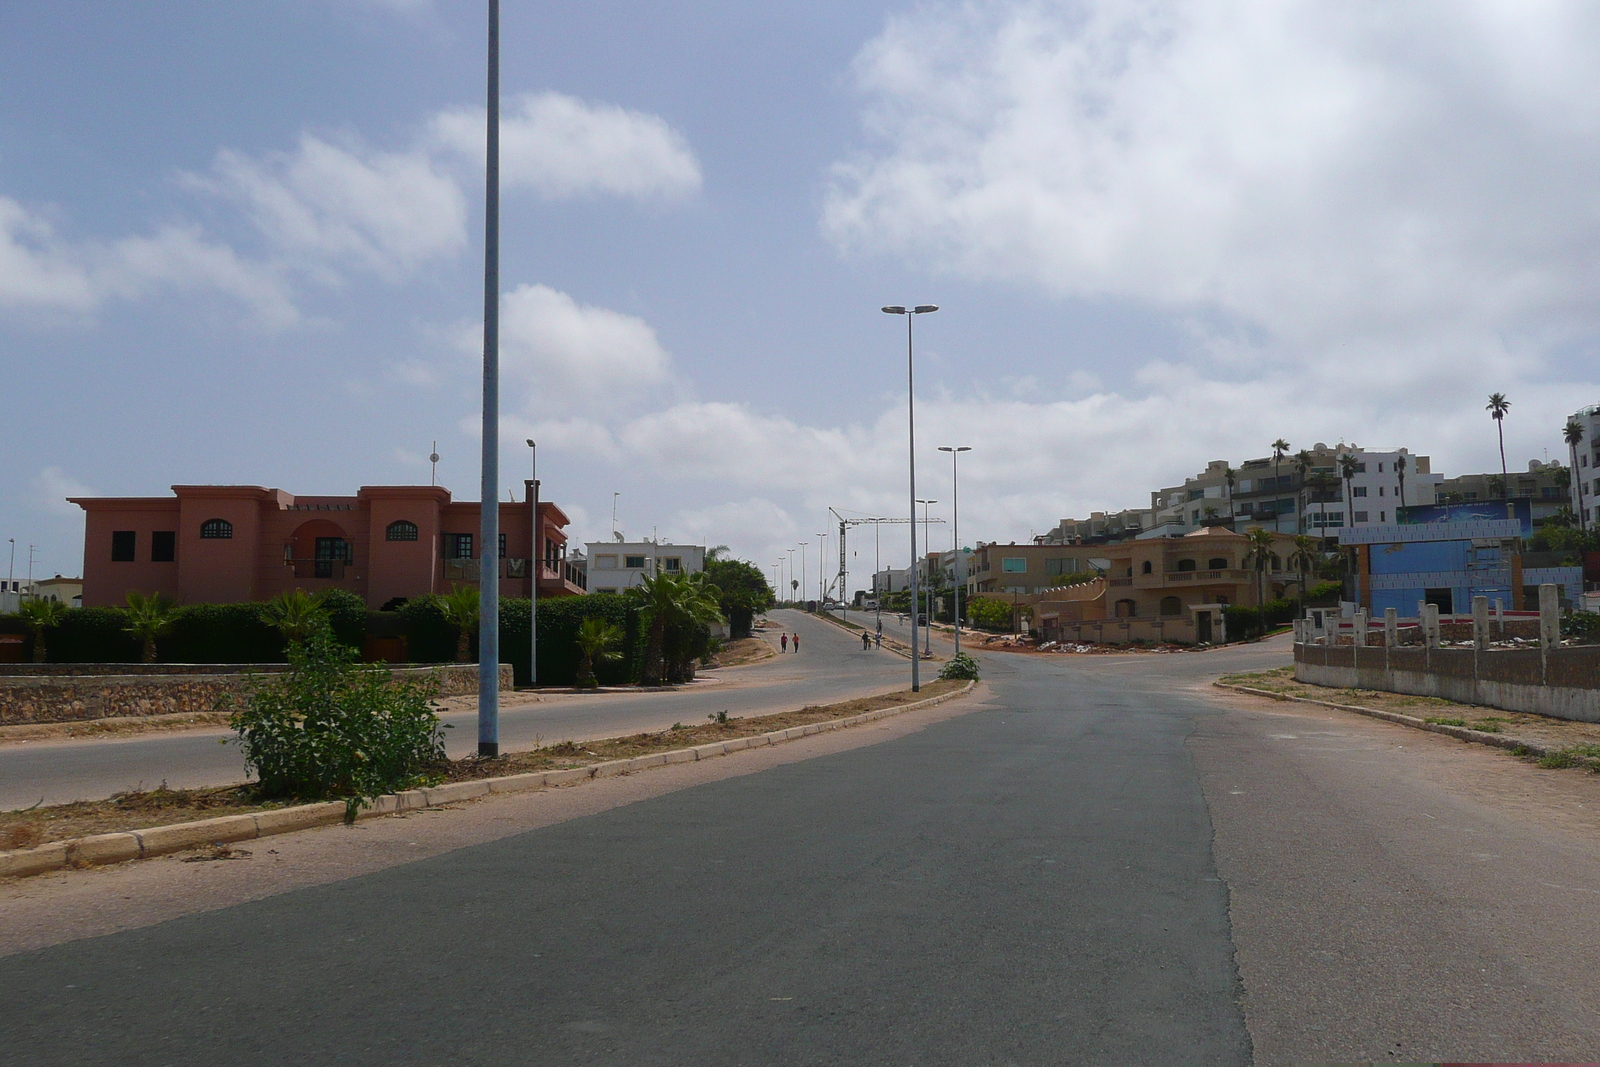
(1391, 627)
(1549, 616)
(1480, 622)
(1499, 617)
(1358, 627)
(1430, 625)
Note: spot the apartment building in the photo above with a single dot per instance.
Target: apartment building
(616, 566)
(1013, 568)
(1548, 487)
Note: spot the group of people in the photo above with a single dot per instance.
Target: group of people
(867, 640)
(785, 640)
(788, 641)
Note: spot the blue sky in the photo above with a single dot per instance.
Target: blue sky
(241, 243)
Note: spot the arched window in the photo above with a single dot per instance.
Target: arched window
(1218, 564)
(1277, 564)
(1126, 609)
(1186, 564)
(1171, 605)
(400, 530)
(216, 530)
(1147, 567)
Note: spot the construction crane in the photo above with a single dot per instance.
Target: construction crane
(845, 524)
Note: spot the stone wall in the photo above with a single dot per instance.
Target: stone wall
(58, 698)
(1560, 682)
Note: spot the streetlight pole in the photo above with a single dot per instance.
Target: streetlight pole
(955, 530)
(928, 639)
(911, 447)
(804, 581)
(877, 593)
(535, 568)
(489, 505)
(822, 571)
(789, 581)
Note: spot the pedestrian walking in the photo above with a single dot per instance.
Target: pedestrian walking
(796, 643)
(783, 639)
(866, 641)
(879, 639)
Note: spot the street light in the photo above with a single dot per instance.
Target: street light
(955, 530)
(535, 568)
(489, 494)
(822, 570)
(928, 639)
(789, 582)
(911, 440)
(804, 581)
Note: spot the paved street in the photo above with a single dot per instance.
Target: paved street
(831, 666)
(1097, 863)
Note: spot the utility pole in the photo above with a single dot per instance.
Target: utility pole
(822, 570)
(489, 520)
(535, 569)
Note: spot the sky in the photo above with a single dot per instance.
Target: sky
(242, 243)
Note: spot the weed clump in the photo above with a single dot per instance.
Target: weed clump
(961, 667)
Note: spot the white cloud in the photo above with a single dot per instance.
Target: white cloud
(563, 352)
(563, 147)
(53, 486)
(386, 211)
(41, 271)
(1406, 187)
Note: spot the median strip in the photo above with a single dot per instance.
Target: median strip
(642, 753)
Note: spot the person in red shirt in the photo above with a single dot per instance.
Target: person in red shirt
(783, 639)
(797, 644)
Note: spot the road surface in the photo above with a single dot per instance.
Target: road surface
(830, 666)
(1097, 863)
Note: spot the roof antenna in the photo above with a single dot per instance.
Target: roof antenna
(433, 458)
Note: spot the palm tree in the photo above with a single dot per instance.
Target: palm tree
(295, 614)
(1302, 467)
(1280, 448)
(1497, 407)
(1574, 436)
(39, 616)
(1321, 484)
(1231, 476)
(460, 607)
(149, 617)
(597, 643)
(1400, 470)
(1303, 558)
(1259, 558)
(1348, 468)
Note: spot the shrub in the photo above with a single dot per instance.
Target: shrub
(331, 728)
(94, 635)
(559, 620)
(960, 667)
(221, 633)
(1583, 624)
(988, 613)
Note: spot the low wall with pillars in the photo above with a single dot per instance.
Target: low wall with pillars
(1560, 682)
(75, 698)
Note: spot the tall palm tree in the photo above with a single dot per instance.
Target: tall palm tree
(460, 607)
(1258, 558)
(1231, 476)
(1303, 557)
(1497, 407)
(1280, 448)
(1574, 437)
(1400, 470)
(1302, 467)
(149, 617)
(1348, 468)
(673, 604)
(597, 643)
(40, 616)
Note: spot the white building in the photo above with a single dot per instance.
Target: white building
(891, 580)
(618, 565)
(1585, 488)
(68, 591)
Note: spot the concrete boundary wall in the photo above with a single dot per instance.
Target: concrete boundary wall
(52, 698)
(1563, 683)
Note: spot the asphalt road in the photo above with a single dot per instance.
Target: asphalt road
(1100, 864)
(830, 666)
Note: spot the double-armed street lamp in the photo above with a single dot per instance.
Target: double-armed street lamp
(911, 438)
(955, 530)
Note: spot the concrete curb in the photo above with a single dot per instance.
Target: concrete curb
(1462, 733)
(178, 837)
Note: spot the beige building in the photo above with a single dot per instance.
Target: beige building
(1006, 569)
(1166, 589)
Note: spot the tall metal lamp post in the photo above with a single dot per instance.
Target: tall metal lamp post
(928, 638)
(822, 571)
(911, 442)
(489, 499)
(535, 569)
(955, 530)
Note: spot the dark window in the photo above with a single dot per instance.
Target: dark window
(216, 530)
(332, 553)
(1171, 605)
(1217, 565)
(457, 546)
(163, 546)
(1146, 568)
(1186, 564)
(502, 546)
(400, 530)
(123, 546)
(634, 563)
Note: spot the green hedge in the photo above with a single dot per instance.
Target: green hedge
(91, 635)
(1243, 621)
(430, 639)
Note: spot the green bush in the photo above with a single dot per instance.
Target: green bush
(221, 633)
(961, 667)
(559, 620)
(429, 636)
(93, 635)
(331, 728)
(989, 613)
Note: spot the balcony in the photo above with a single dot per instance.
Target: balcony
(556, 576)
(325, 569)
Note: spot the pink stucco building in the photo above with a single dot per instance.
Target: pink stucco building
(223, 544)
